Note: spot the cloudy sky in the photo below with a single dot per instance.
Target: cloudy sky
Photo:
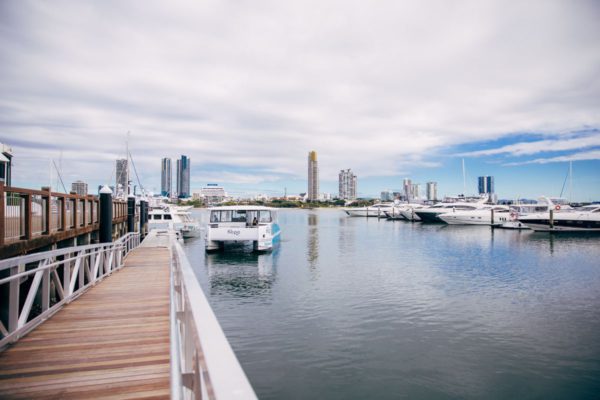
(246, 88)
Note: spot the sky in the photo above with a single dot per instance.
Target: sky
(247, 88)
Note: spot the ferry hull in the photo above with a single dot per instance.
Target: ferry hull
(543, 225)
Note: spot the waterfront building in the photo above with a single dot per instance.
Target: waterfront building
(486, 184)
(166, 185)
(5, 164)
(122, 176)
(407, 186)
(183, 177)
(416, 190)
(387, 195)
(211, 194)
(347, 185)
(80, 188)
(313, 177)
(431, 191)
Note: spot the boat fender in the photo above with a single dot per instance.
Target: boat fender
(557, 208)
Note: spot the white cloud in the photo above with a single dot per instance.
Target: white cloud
(540, 146)
(580, 156)
(377, 87)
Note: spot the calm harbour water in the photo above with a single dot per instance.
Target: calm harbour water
(356, 308)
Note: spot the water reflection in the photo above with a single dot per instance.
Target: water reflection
(313, 240)
(241, 272)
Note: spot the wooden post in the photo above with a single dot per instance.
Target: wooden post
(75, 219)
(551, 219)
(48, 210)
(63, 216)
(83, 212)
(2, 213)
(492, 212)
(28, 217)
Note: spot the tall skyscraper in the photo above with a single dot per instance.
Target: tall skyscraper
(166, 186)
(313, 177)
(486, 184)
(416, 190)
(432, 191)
(183, 177)
(408, 189)
(79, 187)
(347, 185)
(122, 176)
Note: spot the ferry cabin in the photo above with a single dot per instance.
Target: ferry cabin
(232, 224)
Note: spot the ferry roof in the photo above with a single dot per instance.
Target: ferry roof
(242, 208)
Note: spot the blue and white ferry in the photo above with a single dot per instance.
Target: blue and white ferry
(233, 224)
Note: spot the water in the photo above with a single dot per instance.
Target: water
(355, 308)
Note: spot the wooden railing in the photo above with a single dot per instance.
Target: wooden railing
(27, 214)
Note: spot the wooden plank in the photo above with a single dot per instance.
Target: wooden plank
(113, 341)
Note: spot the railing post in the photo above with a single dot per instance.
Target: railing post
(63, 216)
(75, 219)
(106, 217)
(48, 209)
(2, 213)
(143, 214)
(131, 213)
(28, 217)
(84, 212)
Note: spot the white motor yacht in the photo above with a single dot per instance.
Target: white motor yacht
(431, 214)
(176, 218)
(397, 211)
(376, 210)
(409, 213)
(543, 204)
(584, 219)
(255, 224)
(487, 215)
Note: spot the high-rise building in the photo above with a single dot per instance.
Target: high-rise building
(387, 195)
(432, 191)
(183, 177)
(122, 176)
(416, 190)
(347, 185)
(486, 184)
(313, 177)
(166, 186)
(5, 164)
(79, 187)
(407, 186)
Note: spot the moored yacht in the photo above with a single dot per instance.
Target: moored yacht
(409, 213)
(376, 210)
(486, 215)
(431, 214)
(175, 218)
(255, 224)
(584, 219)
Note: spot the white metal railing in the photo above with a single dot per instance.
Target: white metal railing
(52, 279)
(203, 365)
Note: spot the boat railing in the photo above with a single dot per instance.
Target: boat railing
(203, 365)
(52, 279)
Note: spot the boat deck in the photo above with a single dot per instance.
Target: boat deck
(112, 342)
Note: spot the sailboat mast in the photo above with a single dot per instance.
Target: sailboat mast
(464, 178)
(570, 181)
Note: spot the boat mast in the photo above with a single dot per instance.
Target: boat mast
(570, 181)
(464, 178)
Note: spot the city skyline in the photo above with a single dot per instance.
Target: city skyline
(512, 90)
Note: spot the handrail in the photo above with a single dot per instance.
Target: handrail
(59, 276)
(201, 357)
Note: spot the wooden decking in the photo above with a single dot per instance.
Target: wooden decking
(112, 342)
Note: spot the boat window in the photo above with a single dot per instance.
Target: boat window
(167, 216)
(215, 216)
(157, 216)
(238, 216)
(264, 216)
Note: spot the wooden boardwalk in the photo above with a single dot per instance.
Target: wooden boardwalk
(112, 342)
